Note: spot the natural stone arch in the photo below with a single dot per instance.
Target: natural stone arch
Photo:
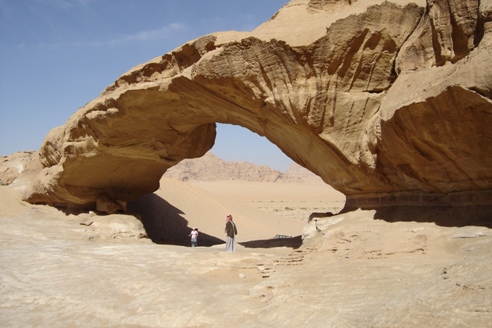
(335, 106)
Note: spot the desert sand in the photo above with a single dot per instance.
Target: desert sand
(352, 270)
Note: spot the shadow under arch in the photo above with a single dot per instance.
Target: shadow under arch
(165, 224)
(293, 242)
(445, 216)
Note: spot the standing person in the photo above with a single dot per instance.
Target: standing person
(194, 237)
(231, 232)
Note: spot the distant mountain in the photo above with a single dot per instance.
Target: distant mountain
(211, 168)
(295, 170)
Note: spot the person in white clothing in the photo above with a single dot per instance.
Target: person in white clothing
(194, 237)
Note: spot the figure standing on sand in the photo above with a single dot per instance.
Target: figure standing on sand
(231, 232)
(194, 237)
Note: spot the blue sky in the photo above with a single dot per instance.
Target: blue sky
(57, 55)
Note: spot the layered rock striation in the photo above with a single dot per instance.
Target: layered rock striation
(388, 101)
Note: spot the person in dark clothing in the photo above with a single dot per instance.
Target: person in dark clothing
(231, 232)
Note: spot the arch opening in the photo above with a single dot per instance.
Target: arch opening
(266, 204)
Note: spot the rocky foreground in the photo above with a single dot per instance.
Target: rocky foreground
(353, 270)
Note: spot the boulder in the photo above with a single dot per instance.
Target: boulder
(18, 169)
(120, 226)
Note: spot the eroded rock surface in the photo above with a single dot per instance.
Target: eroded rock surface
(388, 101)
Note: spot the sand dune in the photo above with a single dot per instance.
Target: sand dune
(260, 210)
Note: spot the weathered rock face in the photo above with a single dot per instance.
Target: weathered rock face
(388, 101)
(11, 166)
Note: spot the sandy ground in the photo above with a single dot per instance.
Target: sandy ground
(358, 269)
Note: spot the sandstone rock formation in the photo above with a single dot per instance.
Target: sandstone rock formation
(11, 166)
(113, 226)
(388, 101)
(19, 169)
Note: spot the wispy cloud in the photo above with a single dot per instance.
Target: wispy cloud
(142, 36)
(150, 35)
(66, 3)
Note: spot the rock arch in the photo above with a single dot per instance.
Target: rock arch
(369, 103)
